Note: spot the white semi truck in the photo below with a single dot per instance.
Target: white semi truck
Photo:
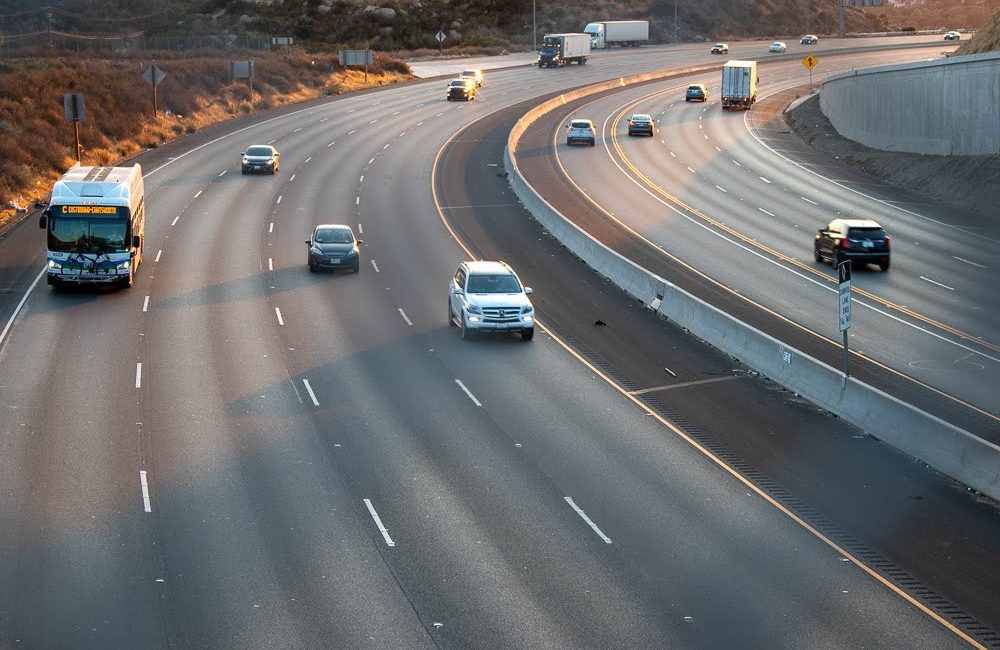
(626, 33)
(561, 49)
(739, 84)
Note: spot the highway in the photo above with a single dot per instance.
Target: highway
(238, 453)
(705, 188)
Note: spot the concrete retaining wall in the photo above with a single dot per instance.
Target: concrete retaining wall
(957, 453)
(947, 107)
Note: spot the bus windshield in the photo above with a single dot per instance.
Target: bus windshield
(80, 234)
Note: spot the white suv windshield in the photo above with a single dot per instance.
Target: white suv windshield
(493, 284)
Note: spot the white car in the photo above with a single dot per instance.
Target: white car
(489, 297)
(952, 36)
(720, 48)
(809, 39)
(581, 131)
(777, 46)
(474, 74)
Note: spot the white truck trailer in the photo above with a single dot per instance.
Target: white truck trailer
(561, 49)
(626, 33)
(739, 84)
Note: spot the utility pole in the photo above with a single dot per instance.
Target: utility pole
(675, 22)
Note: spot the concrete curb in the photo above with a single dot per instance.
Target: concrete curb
(945, 447)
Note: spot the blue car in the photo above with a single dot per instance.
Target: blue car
(696, 93)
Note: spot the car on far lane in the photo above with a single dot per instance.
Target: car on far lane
(777, 46)
(260, 158)
(720, 48)
(696, 93)
(462, 88)
(475, 74)
(952, 36)
(853, 240)
(809, 39)
(333, 246)
(640, 123)
(489, 297)
(581, 131)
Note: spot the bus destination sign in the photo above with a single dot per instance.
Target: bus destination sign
(89, 209)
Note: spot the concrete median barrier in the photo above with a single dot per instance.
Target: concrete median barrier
(949, 449)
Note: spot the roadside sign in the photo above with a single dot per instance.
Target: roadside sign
(440, 36)
(73, 107)
(844, 275)
(153, 75)
(282, 40)
(241, 69)
(810, 62)
(356, 57)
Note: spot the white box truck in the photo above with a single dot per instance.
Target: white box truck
(561, 49)
(739, 84)
(626, 33)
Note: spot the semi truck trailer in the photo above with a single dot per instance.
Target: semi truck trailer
(626, 33)
(739, 84)
(561, 49)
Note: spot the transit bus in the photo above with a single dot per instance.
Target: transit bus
(95, 226)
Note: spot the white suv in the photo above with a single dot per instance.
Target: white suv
(488, 296)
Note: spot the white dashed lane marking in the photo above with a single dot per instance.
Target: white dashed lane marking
(583, 515)
(770, 214)
(468, 392)
(147, 506)
(277, 312)
(309, 390)
(378, 522)
(808, 200)
(405, 317)
(961, 259)
(944, 286)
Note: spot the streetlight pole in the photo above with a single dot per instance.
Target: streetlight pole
(534, 25)
(675, 22)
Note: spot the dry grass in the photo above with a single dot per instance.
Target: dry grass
(36, 144)
(986, 39)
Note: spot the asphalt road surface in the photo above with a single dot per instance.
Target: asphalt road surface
(238, 453)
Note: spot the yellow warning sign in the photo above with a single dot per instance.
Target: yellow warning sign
(810, 61)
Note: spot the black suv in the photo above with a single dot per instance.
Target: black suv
(854, 240)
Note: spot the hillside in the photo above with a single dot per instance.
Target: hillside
(37, 144)
(390, 25)
(986, 39)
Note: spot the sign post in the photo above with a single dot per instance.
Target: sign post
(810, 62)
(243, 70)
(440, 36)
(153, 76)
(844, 286)
(73, 112)
(356, 57)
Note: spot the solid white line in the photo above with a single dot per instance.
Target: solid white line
(468, 392)
(24, 299)
(937, 283)
(770, 214)
(378, 522)
(375, 266)
(198, 194)
(309, 389)
(737, 163)
(968, 262)
(569, 500)
(690, 170)
(223, 173)
(146, 505)
(292, 178)
(307, 160)
(371, 161)
(270, 227)
(145, 304)
(764, 179)
(405, 317)
(277, 312)
(721, 188)
(174, 222)
(270, 264)
(808, 201)
(158, 253)
(279, 199)
(138, 375)
(361, 229)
